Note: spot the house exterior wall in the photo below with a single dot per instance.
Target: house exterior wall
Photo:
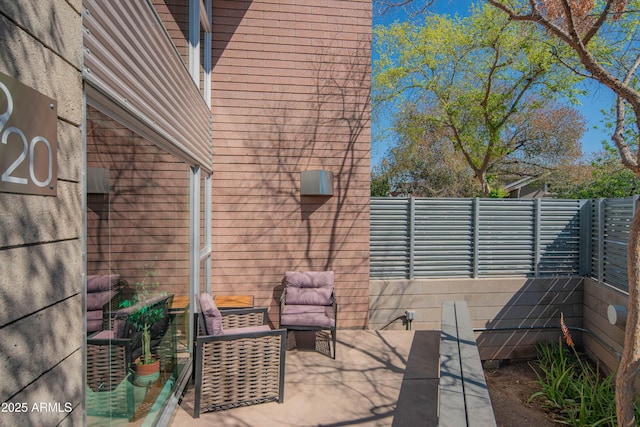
(508, 305)
(174, 14)
(41, 286)
(291, 92)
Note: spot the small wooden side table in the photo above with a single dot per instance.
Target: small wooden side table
(233, 301)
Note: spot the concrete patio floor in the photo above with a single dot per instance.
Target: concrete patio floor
(359, 388)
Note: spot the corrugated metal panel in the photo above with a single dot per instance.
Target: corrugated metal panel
(136, 75)
(390, 236)
(596, 217)
(559, 237)
(506, 237)
(513, 237)
(422, 238)
(443, 238)
(618, 214)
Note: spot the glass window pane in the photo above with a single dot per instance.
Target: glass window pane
(138, 271)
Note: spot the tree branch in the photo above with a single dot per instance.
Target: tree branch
(599, 22)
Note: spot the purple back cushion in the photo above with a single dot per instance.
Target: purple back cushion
(102, 282)
(212, 316)
(309, 287)
(96, 300)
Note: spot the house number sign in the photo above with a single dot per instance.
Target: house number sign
(28, 140)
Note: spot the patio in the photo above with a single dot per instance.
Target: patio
(375, 378)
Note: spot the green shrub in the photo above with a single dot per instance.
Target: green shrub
(574, 390)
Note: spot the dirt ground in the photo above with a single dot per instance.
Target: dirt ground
(510, 387)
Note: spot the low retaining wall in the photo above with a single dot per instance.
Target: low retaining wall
(502, 310)
(606, 341)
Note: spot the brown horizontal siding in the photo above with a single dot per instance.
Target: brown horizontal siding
(142, 225)
(290, 90)
(174, 14)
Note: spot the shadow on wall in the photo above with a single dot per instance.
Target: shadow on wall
(531, 315)
(227, 15)
(326, 137)
(342, 102)
(40, 250)
(314, 118)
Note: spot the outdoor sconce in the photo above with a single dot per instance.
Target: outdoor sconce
(617, 315)
(316, 183)
(97, 180)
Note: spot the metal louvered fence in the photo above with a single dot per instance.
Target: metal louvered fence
(413, 238)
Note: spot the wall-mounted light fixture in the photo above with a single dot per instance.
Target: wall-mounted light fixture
(97, 180)
(316, 183)
(617, 315)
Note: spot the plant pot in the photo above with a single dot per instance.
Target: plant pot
(146, 374)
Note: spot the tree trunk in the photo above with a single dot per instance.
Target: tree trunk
(484, 183)
(630, 361)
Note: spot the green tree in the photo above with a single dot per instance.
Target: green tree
(423, 162)
(601, 177)
(379, 184)
(604, 45)
(476, 80)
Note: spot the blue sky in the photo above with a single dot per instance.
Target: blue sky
(597, 99)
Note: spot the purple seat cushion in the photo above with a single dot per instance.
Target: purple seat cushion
(94, 321)
(309, 287)
(212, 316)
(101, 282)
(308, 315)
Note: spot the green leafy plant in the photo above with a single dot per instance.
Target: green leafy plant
(146, 316)
(572, 388)
(143, 319)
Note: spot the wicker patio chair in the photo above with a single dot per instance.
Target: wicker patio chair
(308, 303)
(239, 359)
(110, 354)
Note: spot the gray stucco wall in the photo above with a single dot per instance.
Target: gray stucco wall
(41, 322)
(508, 306)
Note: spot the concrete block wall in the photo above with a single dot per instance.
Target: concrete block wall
(291, 92)
(41, 291)
(504, 304)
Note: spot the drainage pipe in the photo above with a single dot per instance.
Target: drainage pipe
(404, 319)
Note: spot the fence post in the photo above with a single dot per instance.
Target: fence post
(476, 237)
(586, 243)
(600, 241)
(536, 236)
(412, 235)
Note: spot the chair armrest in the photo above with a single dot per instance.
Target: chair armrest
(334, 302)
(241, 335)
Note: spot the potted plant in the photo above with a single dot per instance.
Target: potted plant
(147, 366)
